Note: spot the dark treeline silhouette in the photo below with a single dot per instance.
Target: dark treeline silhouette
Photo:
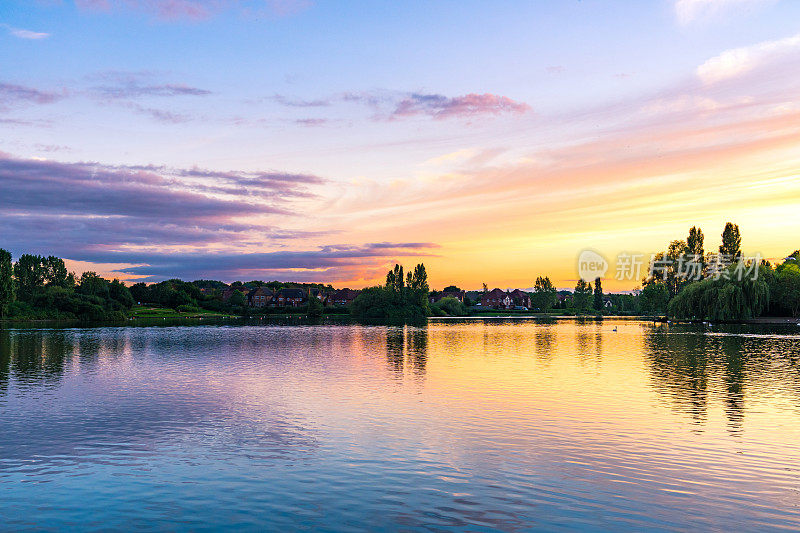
(723, 286)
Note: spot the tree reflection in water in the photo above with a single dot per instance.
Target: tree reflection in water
(407, 345)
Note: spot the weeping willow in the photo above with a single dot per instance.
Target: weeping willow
(721, 299)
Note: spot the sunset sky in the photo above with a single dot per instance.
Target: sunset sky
(305, 140)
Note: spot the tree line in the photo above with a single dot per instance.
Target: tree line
(39, 287)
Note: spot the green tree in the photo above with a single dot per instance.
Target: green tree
(582, 295)
(315, 307)
(787, 287)
(731, 242)
(653, 298)
(55, 272)
(121, 294)
(694, 243)
(93, 285)
(238, 299)
(6, 282)
(418, 279)
(544, 294)
(722, 299)
(451, 306)
(30, 275)
(598, 295)
(395, 280)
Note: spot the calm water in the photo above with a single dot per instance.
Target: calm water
(483, 425)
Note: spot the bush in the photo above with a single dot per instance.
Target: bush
(450, 306)
(187, 308)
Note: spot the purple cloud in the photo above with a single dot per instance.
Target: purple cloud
(76, 207)
(149, 216)
(329, 262)
(396, 105)
(296, 102)
(442, 107)
(12, 94)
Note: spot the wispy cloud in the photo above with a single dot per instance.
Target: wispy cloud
(298, 102)
(195, 10)
(738, 61)
(130, 85)
(470, 105)
(11, 93)
(25, 34)
(689, 11)
(191, 222)
(394, 105)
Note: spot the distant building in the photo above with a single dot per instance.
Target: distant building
(497, 299)
(521, 298)
(342, 297)
(259, 297)
(289, 298)
(320, 295)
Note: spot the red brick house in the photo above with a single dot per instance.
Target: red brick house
(342, 297)
(259, 297)
(497, 299)
(289, 298)
(521, 298)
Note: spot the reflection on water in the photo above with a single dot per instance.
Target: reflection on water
(493, 424)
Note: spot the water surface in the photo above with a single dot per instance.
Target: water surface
(483, 425)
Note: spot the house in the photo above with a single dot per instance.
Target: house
(458, 295)
(342, 297)
(259, 297)
(497, 299)
(607, 303)
(289, 298)
(521, 298)
(320, 295)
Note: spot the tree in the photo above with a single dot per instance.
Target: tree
(238, 299)
(485, 289)
(55, 272)
(6, 282)
(731, 242)
(418, 279)
(722, 299)
(598, 295)
(395, 280)
(29, 273)
(451, 306)
(544, 294)
(694, 243)
(653, 298)
(582, 295)
(315, 307)
(787, 287)
(93, 285)
(121, 294)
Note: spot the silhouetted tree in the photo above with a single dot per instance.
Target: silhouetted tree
(544, 295)
(6, 282)
(598, 294)
(731, 242)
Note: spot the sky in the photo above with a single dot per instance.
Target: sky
(309, 140)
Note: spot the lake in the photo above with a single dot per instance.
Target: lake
(476, 424)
